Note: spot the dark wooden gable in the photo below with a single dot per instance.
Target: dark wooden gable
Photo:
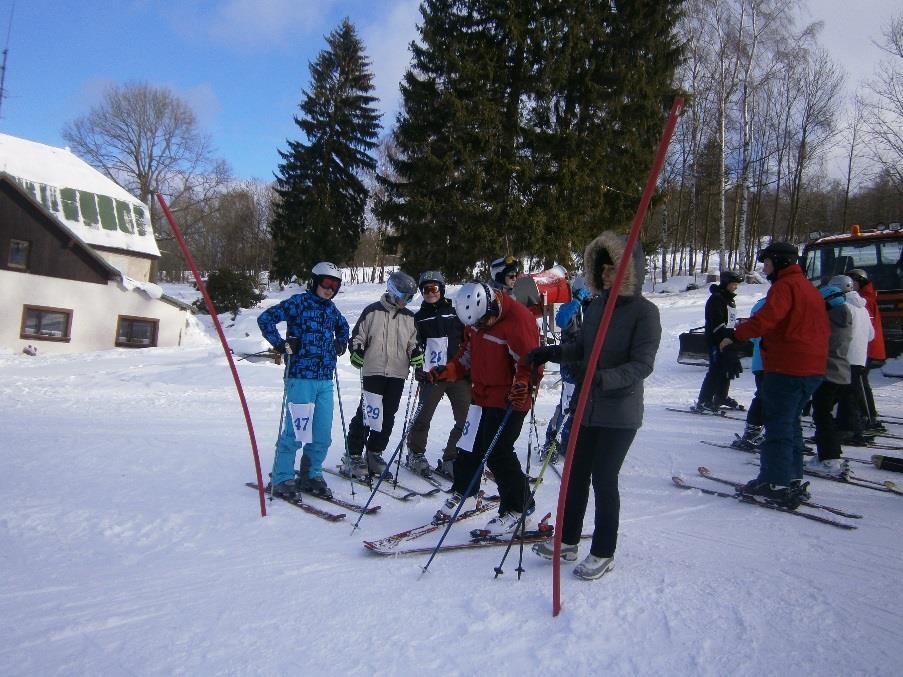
(53, 250)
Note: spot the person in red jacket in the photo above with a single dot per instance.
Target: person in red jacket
(877, 354)
(499, 332)
(793, 326)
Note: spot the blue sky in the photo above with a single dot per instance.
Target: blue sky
(242, 64)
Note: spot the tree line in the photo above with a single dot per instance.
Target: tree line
(525, 128)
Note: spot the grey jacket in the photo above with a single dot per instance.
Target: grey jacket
(628, 354)
(840, 318)
(388, 337)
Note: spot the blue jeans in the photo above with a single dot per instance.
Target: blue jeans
(783, 398)
(303, 391)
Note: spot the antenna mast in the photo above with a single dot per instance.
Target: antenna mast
(9, 30)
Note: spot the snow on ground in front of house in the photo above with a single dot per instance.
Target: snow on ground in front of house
(129, 544)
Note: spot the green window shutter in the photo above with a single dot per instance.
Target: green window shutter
(124, 217)
(87, 202)
(140, 220)
(69, 198)
(107, 212)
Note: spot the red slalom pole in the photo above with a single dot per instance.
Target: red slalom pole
(626, 260)
(222, 339)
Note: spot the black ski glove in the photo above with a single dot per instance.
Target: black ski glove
(340, 347)
(543, 354)
(289, 346)
(729, 361)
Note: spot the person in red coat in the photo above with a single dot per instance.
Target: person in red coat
(793, 326)
(498, 335)
(877, 354)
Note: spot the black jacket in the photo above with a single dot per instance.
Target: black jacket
(628, 353)
(438, 320)
(718, 316)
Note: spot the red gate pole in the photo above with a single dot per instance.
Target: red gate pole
(222, 339)
(626, 260)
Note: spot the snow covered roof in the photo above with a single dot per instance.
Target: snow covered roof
(96, 209)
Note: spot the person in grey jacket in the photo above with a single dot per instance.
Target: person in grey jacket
(615, 408)
(837, 377)
(384, 347)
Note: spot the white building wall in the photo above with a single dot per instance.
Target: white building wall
(133, 266)
(95, 310)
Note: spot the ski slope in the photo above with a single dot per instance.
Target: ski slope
(129, 544)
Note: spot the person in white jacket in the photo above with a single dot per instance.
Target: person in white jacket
(849, 422)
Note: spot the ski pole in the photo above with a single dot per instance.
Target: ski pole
(404, 427)
(470, 486)
(338, 393)
(288, 357)
(380, 479)
(539, 480)
(527, 493)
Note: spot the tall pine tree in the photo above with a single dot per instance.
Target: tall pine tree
(527, 126)
(322, 198)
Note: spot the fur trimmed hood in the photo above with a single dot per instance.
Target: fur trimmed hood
(610, 245)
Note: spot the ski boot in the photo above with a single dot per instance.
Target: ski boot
(418, 464)
(353, 465)
(446, 468)
(444, 514)
(751, 439)
(730, 403)
(376, 464)
(507, 523)
(315, 486)
(704, 408)
(286, 490)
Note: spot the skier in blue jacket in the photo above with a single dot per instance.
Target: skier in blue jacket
(316, 333)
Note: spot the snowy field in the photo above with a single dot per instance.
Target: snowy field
(129, 544)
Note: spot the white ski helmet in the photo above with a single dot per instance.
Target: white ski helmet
(473, 302)
(401, 286)
(321, 270)
(843, 282)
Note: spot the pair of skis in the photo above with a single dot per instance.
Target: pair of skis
(319, 512)
(756, 450)
(407, 492)
(721, 413)
(765, 503)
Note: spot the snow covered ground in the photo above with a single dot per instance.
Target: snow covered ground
(129, 544)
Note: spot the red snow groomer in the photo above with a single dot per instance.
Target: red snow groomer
(540, 292)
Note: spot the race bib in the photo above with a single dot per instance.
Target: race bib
(436, 352)
(731, 317)
(567, 392)
(302, 421)
(471, 425)
(373, 411)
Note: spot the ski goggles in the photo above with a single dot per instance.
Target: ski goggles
(430, 288)
(330, 283)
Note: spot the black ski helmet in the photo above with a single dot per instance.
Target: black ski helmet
(502, 267)
(729, 276)
(432, 276)
(782, 254)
